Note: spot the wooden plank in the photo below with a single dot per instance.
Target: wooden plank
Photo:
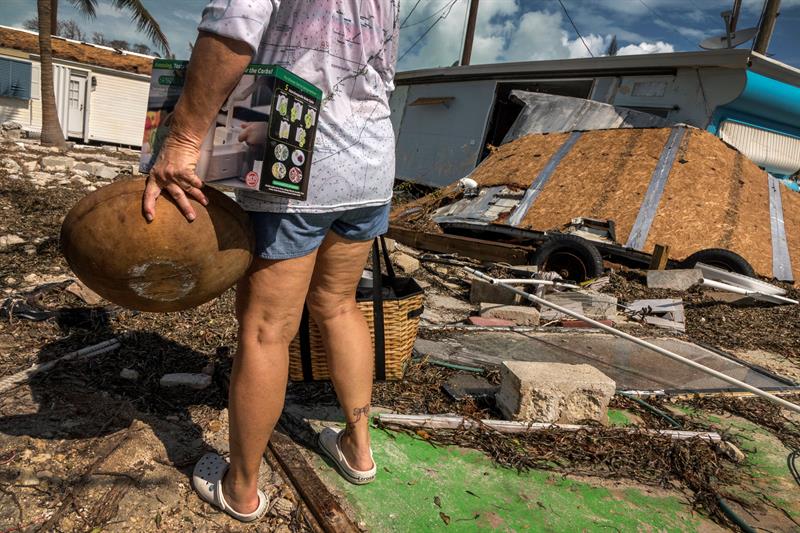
(308, 516)
(660, 257)
(326, 509)
(479, 249)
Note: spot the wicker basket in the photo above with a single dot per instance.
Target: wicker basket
(397, 330)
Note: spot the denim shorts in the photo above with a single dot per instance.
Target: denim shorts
(289, 235)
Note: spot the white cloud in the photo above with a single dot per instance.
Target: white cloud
(191, 16)
(505, 33)
(104, 9)
(659, 47)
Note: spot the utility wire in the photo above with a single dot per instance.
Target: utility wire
(410, 13)
(435, 22)
(667, 23)
(574, 27)
(420, 21)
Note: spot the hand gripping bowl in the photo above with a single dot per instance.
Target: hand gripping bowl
(167, 265)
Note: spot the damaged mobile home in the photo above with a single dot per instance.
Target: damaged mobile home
(679, 150)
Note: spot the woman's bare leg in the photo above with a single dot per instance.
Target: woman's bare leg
(332, 305)
(269, 303)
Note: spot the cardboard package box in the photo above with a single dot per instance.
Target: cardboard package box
(262, 138)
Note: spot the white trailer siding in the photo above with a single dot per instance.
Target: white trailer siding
(117, 109)
(116, 102)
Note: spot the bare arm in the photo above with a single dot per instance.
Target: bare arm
(216, 66)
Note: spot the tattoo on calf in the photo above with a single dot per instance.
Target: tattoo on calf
(358, 412)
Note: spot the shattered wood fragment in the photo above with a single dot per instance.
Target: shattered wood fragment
(660, 257)
(481, 250)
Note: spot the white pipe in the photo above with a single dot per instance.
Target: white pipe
(505, 426)
(90, 351)
(772, 298)
(643, 343)
(536, 282)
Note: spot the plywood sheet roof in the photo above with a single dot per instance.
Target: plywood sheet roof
(89, 54)
(714, 197)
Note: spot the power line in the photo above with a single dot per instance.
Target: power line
(667, 23)
(409, 13)
(435, 22)
(420, 21)
(574, 27)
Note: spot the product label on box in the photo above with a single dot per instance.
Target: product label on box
(262, 138)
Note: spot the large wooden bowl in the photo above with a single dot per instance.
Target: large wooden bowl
(169, 264)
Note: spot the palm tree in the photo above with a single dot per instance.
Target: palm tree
(52, 134)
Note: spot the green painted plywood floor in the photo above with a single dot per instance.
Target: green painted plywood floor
(474, 495)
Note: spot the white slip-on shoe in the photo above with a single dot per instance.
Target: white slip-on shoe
(330, 443)
(207, 481)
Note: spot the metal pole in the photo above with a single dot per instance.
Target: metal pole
(737, 7)
(640, 342)
(469, 36)
(767, 26)
(528, 281)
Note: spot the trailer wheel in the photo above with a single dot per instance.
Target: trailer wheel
(720, 258)
(572, 257)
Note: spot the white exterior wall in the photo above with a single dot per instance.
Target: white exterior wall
(27, 112)
(117, 109)
(691, 96)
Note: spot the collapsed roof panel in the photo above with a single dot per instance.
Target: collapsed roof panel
(550, 113)
(679, 186)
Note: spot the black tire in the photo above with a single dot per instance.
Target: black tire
(574, 258)
(720, 258)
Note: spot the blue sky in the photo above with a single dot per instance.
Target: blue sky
(508, 30)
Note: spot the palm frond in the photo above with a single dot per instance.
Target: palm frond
(144, 21)
(85, 7)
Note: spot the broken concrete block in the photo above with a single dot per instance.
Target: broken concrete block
(490, 322)
(195, 381)
(407, 264)
(391, 244)
(521, 315)
(57, 162)
(106, 173)
(554, 392)
(484, 292)
(550, 315)
(677, 280)
(129, 374)
(10, 240)
(594, 304)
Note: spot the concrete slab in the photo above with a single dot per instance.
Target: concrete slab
(629, 365)
(554, 392)
(677, 279)
(522, 315)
